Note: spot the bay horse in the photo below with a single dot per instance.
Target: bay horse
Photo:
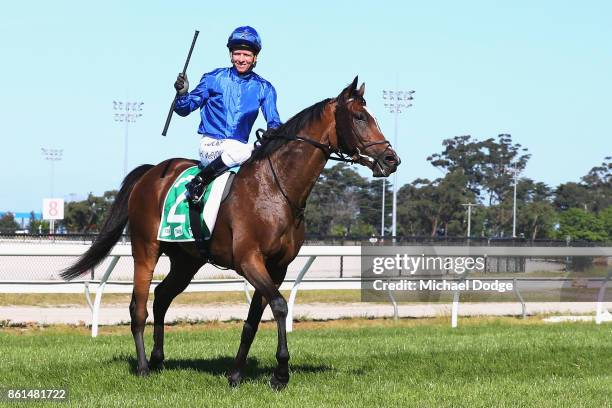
(259, 229)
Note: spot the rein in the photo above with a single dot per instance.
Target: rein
(328, 150)
(298, 212)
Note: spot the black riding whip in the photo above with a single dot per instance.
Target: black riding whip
(195, 37)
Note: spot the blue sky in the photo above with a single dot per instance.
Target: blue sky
(537, 70)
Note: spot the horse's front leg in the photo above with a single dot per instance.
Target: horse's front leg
(249, 330)
(255, 272)
(280, 378)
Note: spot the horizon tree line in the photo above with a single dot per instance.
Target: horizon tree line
(482, 172)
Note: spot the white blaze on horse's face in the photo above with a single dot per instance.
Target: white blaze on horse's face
(373, 117)
(381, 159)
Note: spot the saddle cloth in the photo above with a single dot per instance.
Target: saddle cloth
(174, 225)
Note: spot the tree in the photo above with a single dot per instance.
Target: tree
(572, 195)
(536, 215)
(593, 193)
(606, 218)
(488, 167)
(461, 153)
(432, 207)
(599, 183)
(410, 220)
(370, 205)
(582, 225)
(336, 201)
(88, 215)
(8, 223)
(537, 220)
(38, 225)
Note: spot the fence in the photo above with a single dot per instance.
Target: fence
(306, 257)
(65, 254)
(87, 238)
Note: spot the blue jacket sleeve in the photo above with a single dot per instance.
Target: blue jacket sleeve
(193, 100)
(268, 108)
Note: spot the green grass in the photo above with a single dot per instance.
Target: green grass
(370, 363)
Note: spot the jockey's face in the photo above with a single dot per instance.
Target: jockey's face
(243, 60)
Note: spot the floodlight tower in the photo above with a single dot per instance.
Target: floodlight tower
(396, 102)
(127, 112)
(52, 155)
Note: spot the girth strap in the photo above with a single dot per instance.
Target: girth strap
(196, 230)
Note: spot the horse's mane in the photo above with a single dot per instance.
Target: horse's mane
(275, 138)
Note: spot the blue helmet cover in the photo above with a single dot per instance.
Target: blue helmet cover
(245, 36)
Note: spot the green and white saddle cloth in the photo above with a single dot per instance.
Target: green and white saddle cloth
(175, 224)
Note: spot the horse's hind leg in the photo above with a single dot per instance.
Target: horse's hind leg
(181, 272)
(258, 304)
(145, 258)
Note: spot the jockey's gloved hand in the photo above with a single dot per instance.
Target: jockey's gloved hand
(182, 84)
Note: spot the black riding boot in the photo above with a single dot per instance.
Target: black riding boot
(195, 188)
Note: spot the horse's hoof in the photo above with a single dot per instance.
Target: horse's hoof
(156, 365)
(142, 371)
(234, 379)
(277, 384)
(156, 362)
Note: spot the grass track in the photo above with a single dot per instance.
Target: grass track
(485, 362)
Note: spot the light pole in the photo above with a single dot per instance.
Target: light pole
(127, 112)
(395, 101)
(469, 210)
(382, 218)
(514, 203)
(52, 155)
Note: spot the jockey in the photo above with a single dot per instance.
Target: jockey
(229, 100)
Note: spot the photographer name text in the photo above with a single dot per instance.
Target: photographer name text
(443, 285)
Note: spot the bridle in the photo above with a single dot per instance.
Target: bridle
(330, 152)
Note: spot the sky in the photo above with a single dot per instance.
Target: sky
(540, 71)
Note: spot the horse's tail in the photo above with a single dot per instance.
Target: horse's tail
(111, 230)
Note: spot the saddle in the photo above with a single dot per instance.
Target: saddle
(184, 221)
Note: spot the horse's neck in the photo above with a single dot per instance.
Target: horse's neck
(298, 165)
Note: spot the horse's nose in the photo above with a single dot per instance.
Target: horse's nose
(392, 159)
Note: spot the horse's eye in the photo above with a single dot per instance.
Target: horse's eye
(361, 117)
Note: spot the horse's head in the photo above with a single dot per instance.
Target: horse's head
(358, 133)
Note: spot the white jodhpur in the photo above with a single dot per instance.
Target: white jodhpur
(232, 152)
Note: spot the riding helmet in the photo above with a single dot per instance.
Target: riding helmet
(245, 37)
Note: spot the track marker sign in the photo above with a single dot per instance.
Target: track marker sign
(53, 209)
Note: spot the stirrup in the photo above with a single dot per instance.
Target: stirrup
(195, 190)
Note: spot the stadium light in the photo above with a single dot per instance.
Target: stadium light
(127, 112)
(396, 102)
(52, 155)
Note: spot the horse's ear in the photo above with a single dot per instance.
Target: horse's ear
(361, 90)
(349, 90)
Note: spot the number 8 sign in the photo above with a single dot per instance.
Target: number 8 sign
(53, 208)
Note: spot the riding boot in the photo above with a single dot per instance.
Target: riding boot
(197, 185)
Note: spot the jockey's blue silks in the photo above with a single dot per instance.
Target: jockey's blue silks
(230, 103)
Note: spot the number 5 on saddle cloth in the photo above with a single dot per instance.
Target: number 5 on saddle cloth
(185, 222)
